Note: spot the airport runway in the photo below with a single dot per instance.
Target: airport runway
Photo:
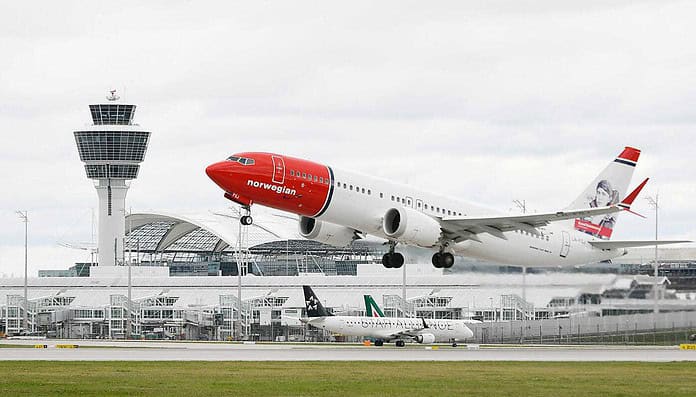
(164, 351)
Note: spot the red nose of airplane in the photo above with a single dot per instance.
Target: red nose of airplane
(217, 171)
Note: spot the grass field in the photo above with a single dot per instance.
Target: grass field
(347, 378)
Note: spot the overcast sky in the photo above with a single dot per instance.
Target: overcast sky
(487, 101)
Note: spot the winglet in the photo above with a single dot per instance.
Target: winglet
(626, 203)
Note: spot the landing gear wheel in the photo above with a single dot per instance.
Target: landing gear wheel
(454, 344)
(447, 260)
(437, 260)
(400, 343)
(443, 260)
(392, 260)
(246, 220)
(397, 260)
(379, 342)
(386, 260)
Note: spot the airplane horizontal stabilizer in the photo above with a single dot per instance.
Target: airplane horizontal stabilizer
(633, 243)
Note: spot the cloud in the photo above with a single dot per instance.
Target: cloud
(487, 102)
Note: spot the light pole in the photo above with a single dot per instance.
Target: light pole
(403, 293)
(522, 205)
(239, 327)
(25, 218)
(654, 203)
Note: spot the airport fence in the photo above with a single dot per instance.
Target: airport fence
(661, 328)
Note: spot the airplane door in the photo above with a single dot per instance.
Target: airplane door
(566, 244)
(409, 201)
(278, 169)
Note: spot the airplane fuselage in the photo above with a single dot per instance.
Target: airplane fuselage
(384, 327)
(360, 202)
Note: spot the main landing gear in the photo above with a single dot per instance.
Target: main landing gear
(443, 260)
(400, 343)
(246, 220)
(392, 260)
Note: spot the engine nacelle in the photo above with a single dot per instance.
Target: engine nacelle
(412, 227)
(327, 233)
(425, 338)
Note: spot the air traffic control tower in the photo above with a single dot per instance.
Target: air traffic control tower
(112, 149)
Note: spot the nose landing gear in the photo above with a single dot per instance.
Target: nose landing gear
(246, 219)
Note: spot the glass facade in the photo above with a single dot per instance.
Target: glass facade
(112, 145)
(122, 171)
(112, 114)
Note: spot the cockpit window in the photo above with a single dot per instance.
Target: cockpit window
(241, 160)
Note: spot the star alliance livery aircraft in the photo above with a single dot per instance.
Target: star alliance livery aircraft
(337, 207)
(386, 329)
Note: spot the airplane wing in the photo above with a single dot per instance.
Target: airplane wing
(633, 243)
(463, 228)
(497, 224)
(408, 333)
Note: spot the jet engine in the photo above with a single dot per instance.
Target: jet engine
(412, 227)
(327, 233)
(425, 338)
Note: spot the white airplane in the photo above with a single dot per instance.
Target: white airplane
(337, 207)
(386, 329)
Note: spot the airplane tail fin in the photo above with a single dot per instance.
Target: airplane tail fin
(371, 308)
(608, 188)
(313, 304)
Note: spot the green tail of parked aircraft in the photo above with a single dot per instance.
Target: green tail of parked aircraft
(371, 308)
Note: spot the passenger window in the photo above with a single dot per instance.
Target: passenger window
(316, 178)
(362, 190)
(425, 206)
(309, 176)
(369, 192)
(392, 198)
(449, 212)
(351, 187)
(419, 205)
(292, 173)
(304, 175)
(321, 179)
(381, 195)
(345, 186)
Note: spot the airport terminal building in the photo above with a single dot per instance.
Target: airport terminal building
(191, 280)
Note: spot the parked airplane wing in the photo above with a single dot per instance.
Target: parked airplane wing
(633, 243)
(409, 333)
